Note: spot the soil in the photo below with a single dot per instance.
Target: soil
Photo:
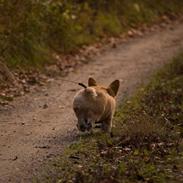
(37, 127)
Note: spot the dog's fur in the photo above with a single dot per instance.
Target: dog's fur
(95, 104)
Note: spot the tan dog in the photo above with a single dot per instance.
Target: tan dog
(95, 104)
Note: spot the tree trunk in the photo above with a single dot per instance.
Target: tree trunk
(6, 76)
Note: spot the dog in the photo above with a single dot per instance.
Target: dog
(95, 104)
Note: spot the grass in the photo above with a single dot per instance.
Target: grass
(147, 144)
(31, 31)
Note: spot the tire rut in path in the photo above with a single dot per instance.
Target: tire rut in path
(37, 127)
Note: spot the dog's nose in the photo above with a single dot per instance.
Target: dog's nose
(82, 128)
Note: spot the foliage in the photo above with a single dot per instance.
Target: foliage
(30, 30)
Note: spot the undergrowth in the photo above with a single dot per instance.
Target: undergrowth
(147, 144)
(31, 30)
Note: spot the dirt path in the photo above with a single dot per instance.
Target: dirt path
(36, 127)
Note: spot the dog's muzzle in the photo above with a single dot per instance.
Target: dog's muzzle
(86, 126)
(82, 128)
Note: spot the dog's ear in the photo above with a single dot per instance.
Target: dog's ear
(113, 88)
(91, 82)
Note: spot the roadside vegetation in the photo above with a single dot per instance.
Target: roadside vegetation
(31, 31)
(147, 144)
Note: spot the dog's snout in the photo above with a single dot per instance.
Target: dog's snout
(82, 128)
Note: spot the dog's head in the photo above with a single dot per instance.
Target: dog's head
(89, 103)
(112, 89)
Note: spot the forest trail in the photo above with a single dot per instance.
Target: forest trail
(36, 127)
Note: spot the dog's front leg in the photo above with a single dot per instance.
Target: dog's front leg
(107, 125)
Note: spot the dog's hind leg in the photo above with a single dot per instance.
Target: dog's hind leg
(98, 124)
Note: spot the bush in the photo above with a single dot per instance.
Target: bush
(30, 30)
